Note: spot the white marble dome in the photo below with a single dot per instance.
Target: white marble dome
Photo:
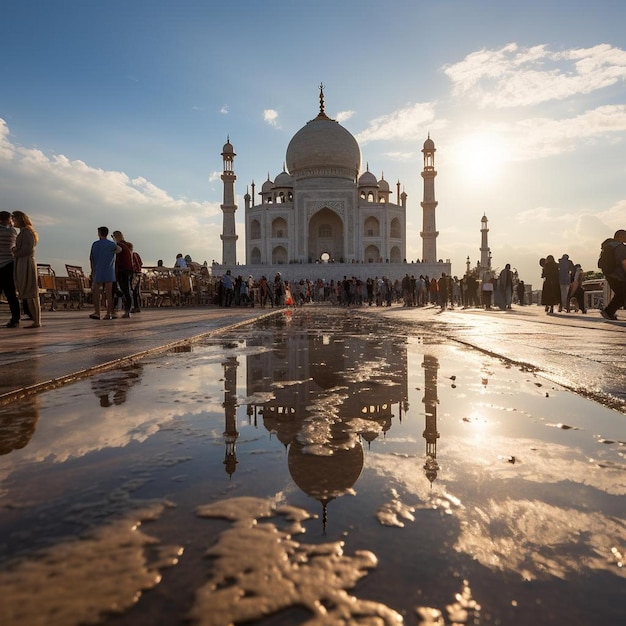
(323, 148)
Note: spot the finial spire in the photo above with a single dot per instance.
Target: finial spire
(322, 112)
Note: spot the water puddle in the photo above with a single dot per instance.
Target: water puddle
(315, 468)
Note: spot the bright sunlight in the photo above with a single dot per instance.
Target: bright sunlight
(480, 157)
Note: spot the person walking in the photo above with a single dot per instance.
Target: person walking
(505, 287)
(102, 259)
(25, 269)
(8, 235)
(617, 278)
(551, 291)
(577, 290)
(124, 271)
(136, 280)
(566, 268)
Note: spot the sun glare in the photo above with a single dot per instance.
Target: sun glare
(480, 157)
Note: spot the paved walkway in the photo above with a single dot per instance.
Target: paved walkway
(584, 353)
(71, 345)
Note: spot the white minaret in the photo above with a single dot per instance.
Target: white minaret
(228, 236)
(485, 253)
(429, 232)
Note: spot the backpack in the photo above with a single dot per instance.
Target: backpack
(607, 262)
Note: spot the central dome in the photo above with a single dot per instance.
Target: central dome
(323, 148)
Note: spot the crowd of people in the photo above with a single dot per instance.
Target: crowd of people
(116, 270)
(562, 284)
(412, 291)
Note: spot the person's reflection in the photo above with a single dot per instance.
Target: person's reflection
(18, 422)
(112, 387)
(430, 400)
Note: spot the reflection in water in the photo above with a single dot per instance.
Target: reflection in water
(431, 434)
(329, 394)
(112, 387)
(308, 412)
(230, 414)
(18, 424)
(18, 421)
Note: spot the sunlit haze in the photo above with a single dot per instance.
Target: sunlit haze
(115, 113)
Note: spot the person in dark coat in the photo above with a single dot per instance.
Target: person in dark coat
(551, 292)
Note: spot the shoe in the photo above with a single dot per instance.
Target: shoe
(135, 310)
(12, 324)
(109, 317)
(126, 314)
(33, 326)
(94, 316)
(607, 316)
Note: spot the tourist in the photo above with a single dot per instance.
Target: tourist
(576, 290)
(487, 289)
(505, 287)
(227, 289)
(551, 291)
(617, 278)
(521, 293)
(135, 283)
(180, 263)
(8, 235)
(124, 271)
(25, 269)
(566, 267)
(102, 259)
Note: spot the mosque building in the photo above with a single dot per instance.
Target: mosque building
(322, 210)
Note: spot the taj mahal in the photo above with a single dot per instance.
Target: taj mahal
(324, 213)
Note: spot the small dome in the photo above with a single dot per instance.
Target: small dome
(383, 185)
(268, 186)
(228, 148)
(283, 180)
(429, 144)
(367, 179)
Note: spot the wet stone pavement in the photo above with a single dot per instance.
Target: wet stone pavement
(322, 466)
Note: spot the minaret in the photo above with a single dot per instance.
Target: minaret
(429, 232)
(228, 236)
(485, 253)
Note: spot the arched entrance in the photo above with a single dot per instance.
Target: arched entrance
(326, 235)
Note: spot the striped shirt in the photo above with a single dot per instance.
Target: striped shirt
(8, 235)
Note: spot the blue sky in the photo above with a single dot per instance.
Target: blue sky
(115, 112)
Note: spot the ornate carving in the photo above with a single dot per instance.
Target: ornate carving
(338, 206)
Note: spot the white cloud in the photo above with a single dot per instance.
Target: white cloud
(68, 199)
(224, 110)
(343, 116)
(511, 76)
(409, 124)
(271, 117)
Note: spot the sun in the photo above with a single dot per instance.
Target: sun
(480, 157)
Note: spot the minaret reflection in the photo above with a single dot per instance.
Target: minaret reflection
(430, 400)
(230, 414)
